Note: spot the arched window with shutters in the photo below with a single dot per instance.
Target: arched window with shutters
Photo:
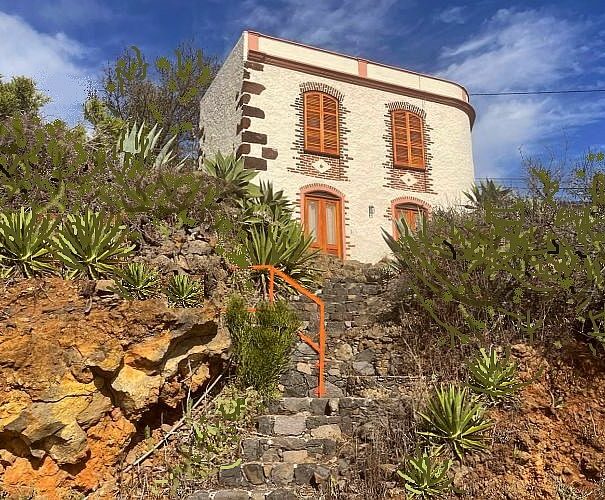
(321, 123)
(412, 213)
(408, 139)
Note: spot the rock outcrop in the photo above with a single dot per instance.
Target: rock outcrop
(77, 374)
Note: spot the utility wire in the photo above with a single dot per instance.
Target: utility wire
(536, 92)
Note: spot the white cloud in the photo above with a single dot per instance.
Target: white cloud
(452, 15)
(527, 50)
(349, 25)
(54, 61)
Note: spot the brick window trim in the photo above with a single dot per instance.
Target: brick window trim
(321, 87)
(407, 200)
(406, 106)
(309, 189)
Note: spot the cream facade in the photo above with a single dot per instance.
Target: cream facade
(256, 108)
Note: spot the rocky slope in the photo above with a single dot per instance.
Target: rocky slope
(79, 369)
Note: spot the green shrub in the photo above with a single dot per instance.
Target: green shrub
(495, 377)
(425, 475)
(527, 265)
(25, 246)
(92, 244)
(456, 419)
(183, 291)
(138, 281)
(262, 342)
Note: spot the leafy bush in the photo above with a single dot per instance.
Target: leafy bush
(262, 342)
(138, 281)
(425, 475)
(527, 265)
(495, 377)
(183, 291)
(455, 418)
(91, 244)
(25, 243)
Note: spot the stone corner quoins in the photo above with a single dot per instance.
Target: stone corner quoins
(249, 113)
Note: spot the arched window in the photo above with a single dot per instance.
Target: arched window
(408, 139)
(409, 212)
(321, 123)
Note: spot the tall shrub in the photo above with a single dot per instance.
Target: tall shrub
(262, 342)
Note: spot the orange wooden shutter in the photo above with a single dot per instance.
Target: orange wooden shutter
(408, 139)
(416, 142)
(330, 124)
(321, 123)
(313, 121)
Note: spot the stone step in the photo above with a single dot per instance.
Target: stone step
(251, 474)
(287, 449)
(313, 426)
(240, 494)
(345, 406)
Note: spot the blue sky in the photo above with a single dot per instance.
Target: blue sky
(488, 46)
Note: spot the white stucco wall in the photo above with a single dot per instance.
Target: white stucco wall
(219, 115)
(452, 163)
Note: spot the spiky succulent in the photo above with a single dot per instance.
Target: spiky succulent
(425, 475)
(235, 179)
(455, 418)
(495, 377)
(91, 244)
(184, 291)
(138, 281)
(25, 246)
(141, 143)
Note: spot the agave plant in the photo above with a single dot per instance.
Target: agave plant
(142, 144)
(425, 475)
(25, 246)
(231, 172)
(183, 291)
(487, 192)
(494, 377)
(455, 418)
(266, 206)
(92, 244)
(138, 281)
(285, 247)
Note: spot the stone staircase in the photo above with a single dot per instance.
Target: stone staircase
(294, 453)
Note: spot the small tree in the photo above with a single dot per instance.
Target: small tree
(20, 95)
(166, 93)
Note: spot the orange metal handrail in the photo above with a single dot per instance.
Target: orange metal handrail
(319, 347)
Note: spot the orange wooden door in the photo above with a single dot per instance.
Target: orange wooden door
(323, 222)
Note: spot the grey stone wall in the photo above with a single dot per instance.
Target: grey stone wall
(219, 110)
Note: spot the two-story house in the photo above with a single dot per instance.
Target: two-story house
(353, 143)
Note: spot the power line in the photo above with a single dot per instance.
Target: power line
(536, 92)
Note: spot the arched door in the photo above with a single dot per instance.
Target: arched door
(323, 220)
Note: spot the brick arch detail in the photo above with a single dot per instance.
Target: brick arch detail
(314, 187)
(412, 201)
(321, 87)
(392, 106)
